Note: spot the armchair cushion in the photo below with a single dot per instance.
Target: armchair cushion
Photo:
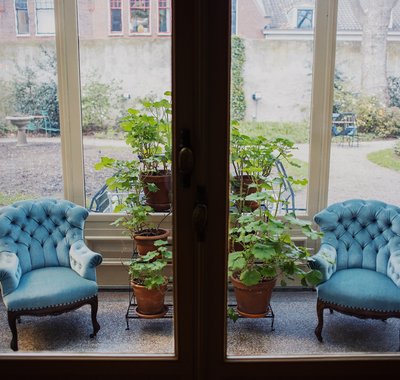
(349, 288)
(49, 287)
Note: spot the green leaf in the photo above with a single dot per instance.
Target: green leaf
(250, 277)
(263, 252)
(313, 277)
(236, 261)
(232, 314)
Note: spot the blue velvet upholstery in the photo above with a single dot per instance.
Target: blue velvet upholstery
(359, 259)
(44, 262)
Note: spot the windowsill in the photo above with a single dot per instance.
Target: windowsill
(140, 34)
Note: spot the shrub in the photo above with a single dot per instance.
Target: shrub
(238, 101)
(396, 148)
(343, 98)
(32, 95)
(394, 91)
(102, 104)
(374, 118)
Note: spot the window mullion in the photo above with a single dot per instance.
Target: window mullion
(321, 108)
(69, 99)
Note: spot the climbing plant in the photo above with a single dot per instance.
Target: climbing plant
(238, 101)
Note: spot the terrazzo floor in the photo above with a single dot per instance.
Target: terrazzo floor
(294, 323)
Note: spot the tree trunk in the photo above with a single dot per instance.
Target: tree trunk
(374, 16)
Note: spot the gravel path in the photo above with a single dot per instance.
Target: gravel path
(35, 169)
(352, 175)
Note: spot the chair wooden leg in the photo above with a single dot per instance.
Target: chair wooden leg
(96, 326)
(12, 322)
(320, 314)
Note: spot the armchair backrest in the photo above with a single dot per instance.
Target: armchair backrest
(362, 232)
(41, 231)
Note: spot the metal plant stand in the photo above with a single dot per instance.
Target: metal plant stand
(131, 312)
(269, 314)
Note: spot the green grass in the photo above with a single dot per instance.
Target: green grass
(297, 172)
(296, 132)
(7, 199)
(386, 158)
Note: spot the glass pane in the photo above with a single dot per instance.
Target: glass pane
(365, 161)
(271, 305)
(30, 160)
(126, 127)
(22, 21)
(45, 21)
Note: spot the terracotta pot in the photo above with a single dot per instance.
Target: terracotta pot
(145, 239)
(253, 301)
(150, 302)
(246, 190)
(161, 199)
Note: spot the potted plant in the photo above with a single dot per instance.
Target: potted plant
(148, 133)
(135, 212)
(148, 281)
(262, 248)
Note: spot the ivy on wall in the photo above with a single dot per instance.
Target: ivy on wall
(238, 102)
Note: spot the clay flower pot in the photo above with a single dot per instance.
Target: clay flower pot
(253, 301)
(161, 199)
(145, 239)
(150, 302)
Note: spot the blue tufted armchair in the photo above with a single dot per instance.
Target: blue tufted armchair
(360, 260)
(45, 266)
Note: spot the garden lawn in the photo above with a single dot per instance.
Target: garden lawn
(386, 158)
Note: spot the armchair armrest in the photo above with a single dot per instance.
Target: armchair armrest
(10, 272)
(393, 267)
(84, 261)
(324, 261)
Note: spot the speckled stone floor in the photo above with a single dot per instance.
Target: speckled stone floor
(294, 323)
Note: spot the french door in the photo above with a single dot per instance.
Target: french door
(201, 93)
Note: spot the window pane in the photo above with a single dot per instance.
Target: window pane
(164, 16)
(366, 115)
(271, 80)
(21, 10)
(116, 20)
(304, 18)
(122, 78)
(30, 159)
(139, 16)
(45, 21)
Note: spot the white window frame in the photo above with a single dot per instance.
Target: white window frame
(149, 32)
(169, 19)
(16, 21)
(312, 19)
(110, 32)
(37, 21)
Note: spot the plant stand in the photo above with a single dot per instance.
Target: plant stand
(131, 312)
(269, 314)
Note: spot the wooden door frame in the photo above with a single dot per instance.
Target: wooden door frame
(185, 116)
(212, 257)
